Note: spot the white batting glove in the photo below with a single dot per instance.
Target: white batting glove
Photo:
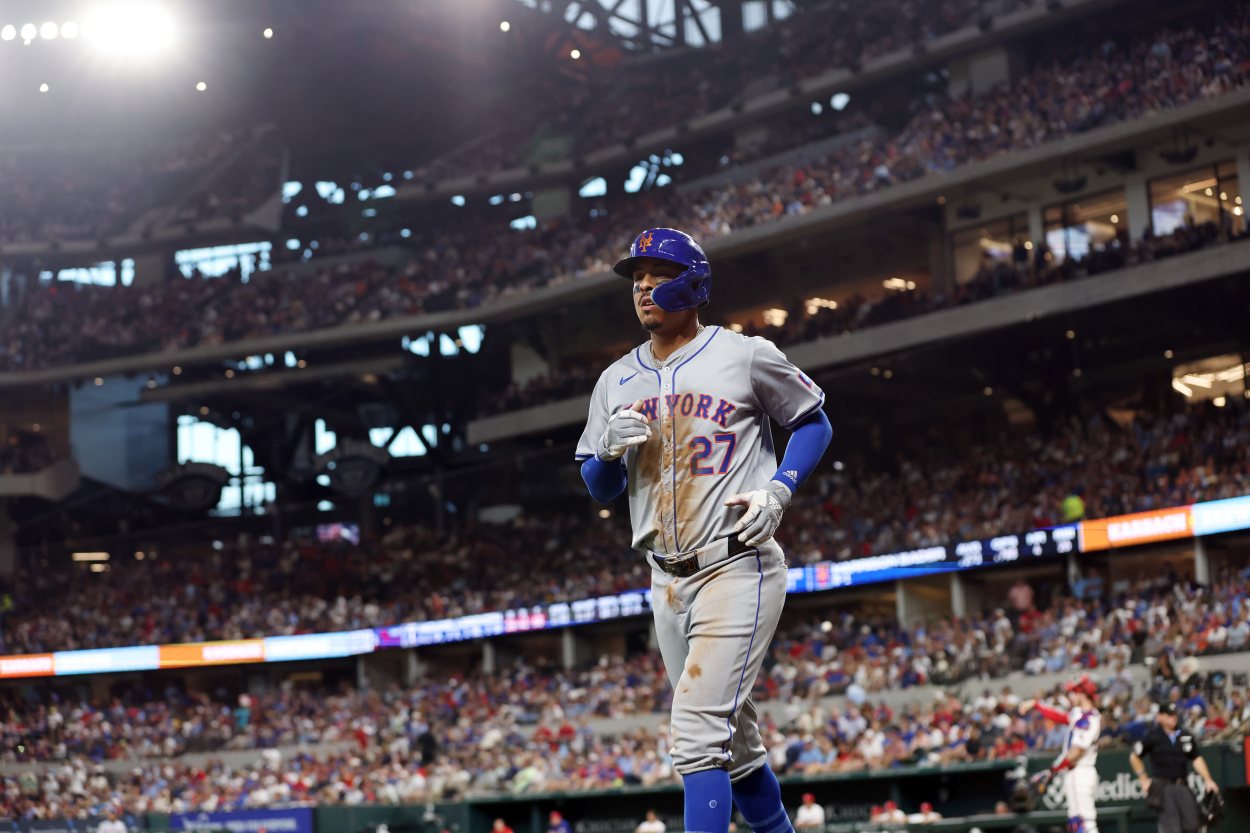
(764, 510)
(625, 429)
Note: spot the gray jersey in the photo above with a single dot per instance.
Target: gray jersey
(711, 405)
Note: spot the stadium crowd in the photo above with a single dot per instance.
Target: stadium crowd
(64, 194)
(464, 264)
(815, 39)
(993, 277)
(529, 730)
(930, 495)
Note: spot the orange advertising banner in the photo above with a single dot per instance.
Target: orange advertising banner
(1139, 528)
(27, 665)
(212, 653)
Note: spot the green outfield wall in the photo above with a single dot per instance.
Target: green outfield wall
(965, 790)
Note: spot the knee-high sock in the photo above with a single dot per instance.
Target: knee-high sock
(758, 797)
(708, 801)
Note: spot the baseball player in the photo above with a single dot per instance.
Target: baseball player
(684, 423)
(1080, 752)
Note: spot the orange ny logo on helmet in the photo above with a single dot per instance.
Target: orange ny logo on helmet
(644, 241)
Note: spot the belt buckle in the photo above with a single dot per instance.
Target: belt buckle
(681, 567)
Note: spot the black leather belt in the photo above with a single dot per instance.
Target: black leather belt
(684, 566)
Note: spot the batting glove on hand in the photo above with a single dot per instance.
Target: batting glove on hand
(764, 510)
(1039, 780)
(626, 428)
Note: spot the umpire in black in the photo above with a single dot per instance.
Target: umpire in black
(1170, 751)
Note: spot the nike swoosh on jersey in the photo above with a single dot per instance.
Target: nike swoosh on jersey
(627, 378)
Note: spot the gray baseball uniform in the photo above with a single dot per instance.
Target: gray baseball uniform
(710, 407)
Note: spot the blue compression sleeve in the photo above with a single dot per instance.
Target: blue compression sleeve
(604, 480)
(807, 445)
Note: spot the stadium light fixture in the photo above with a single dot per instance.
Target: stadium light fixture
(89, 557)
(9, 32)
(201, 86)
(69, 30)
(43, 88)
(504, 25)
(268, 33)
(575, 54)
(130, 30)
(28, 32)
(49, 30)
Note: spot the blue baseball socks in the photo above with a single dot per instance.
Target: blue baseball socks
(758, 797)
(709, 801)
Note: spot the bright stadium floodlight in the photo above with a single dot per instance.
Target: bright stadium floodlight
(129, 29)
(49, 31)
(69, 30)
(29, 30)
(9, 32)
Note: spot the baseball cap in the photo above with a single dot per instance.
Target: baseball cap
(1168, 708)
(926, 807)
(809, 797)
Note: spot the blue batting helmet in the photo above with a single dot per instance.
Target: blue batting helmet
(692, 288)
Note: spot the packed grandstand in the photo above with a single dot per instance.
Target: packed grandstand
(465, 264)
(1023, 164)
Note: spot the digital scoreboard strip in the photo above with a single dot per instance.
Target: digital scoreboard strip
(1173, 523)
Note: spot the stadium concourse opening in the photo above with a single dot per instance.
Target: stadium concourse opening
(351, 481)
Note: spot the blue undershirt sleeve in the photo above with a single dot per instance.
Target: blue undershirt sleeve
(807, 445)
(604, 479)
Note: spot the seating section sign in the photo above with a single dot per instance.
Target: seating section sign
(294, 820)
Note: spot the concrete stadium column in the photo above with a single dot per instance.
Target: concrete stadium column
(941, 275)
(412, 669)
(489, 661)
(1202, 563)
(1137, 202)
(980, 72)
(8, 541)
(959, 598)
(150, 268)
(918, 600)
(1243, 174)
(568, 649)
(1037, 224)
(527, 364)
(552, 202)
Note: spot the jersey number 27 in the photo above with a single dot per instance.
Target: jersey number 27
(703, 448)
